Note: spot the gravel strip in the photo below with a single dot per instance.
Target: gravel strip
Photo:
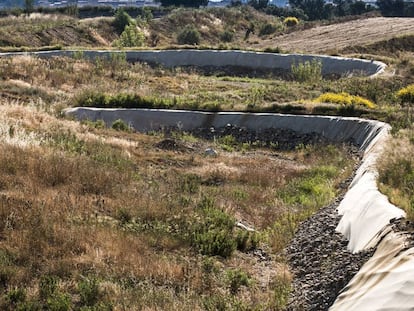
(320, 261)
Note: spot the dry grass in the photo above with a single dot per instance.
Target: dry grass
(79, 203)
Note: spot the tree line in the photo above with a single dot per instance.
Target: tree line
(315, 9)
(304, 9)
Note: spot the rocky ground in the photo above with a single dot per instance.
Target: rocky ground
(320, 261)
(277, 138)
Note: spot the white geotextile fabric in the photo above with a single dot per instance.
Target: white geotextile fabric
(365, 211)
(384, 283)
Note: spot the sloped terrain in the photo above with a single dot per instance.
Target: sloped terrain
(335, 37)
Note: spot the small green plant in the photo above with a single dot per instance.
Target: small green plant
(228, 142)
(89, 291)
(247, 240)
(291, 21)
(130, 37)
(189, 35)
(47, 286)
(120, 125)
(282, 287)
(189, 183)
(213, 234)
(122, 19)
(309, 71)
(236, 279)
(124, 216)
(59, 302)
(16, 296)
(226, 36)
(268, 29)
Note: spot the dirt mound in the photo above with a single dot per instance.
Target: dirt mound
(172, 145)
(336, 37)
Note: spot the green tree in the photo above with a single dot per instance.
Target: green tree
(28, 6)
(314, 9)
(186, 3)
(258, 4)
(122, 19)
(391, 7)
(131, 37)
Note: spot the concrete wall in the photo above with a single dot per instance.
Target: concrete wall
(248, 59)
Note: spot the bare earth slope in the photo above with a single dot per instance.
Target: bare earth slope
(338, 36)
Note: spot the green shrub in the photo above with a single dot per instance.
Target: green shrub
(189, 183)
(189, 35)
(120, 125)
(227, 36)
(122, 19)
(121, 100)
(130, 37)
(309, 71)
(246, 240)
(47, 286)
(406, 94)
(59, 302)
(15, 296)
(89, 292)
(291, 21)
(267, 29)
(124, 216)
(281, 286)
(212, 234)
(236, 279)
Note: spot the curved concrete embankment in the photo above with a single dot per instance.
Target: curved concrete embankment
(221, 58)
(386, 281)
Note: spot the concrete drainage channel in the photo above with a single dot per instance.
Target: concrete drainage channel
(386, 280)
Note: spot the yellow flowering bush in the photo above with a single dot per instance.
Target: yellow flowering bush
(344, 99)
(406, 94)
(290, 21)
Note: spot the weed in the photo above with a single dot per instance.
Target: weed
(213, 233)
(281, 286)
(310, 72)
(189, 35)
(89, 291)
(120, 125)
(130, 37)
(236, 279)
(227, 36)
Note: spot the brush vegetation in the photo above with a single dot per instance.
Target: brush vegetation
(94, 216)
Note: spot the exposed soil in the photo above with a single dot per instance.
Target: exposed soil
(335, 37)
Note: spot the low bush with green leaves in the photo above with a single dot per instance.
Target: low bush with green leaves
(308, 71)
(236, 279)
(189, 35)
(227, 36)
(120, 125)
(130, 37)
(267, 29)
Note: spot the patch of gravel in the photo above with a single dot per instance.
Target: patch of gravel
(320, 261)
(277, 138)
